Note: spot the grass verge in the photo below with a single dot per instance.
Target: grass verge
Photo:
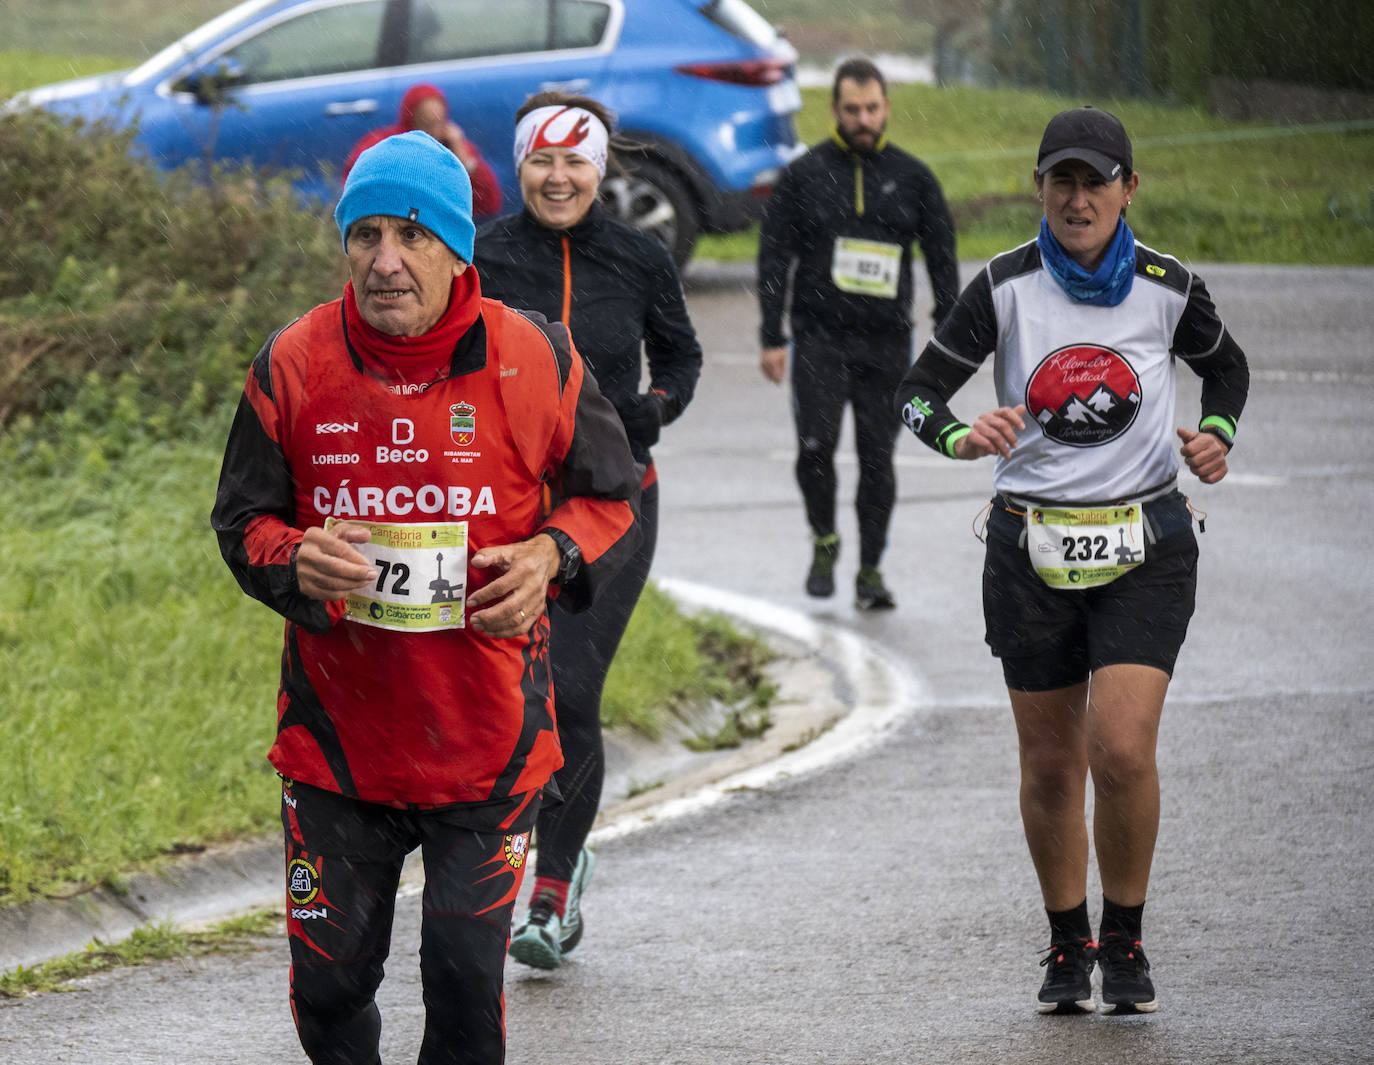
(151, 943)
(22, 69)
(131, 30)
(139, 683)
(676, 663)
(1210, 191)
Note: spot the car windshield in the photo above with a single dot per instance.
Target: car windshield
(196, 40)
(330, 39)
(738, 18)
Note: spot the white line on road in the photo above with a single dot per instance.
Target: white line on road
(1313, 377)
(883, 692)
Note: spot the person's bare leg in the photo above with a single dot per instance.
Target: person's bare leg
(1125, 703)
(1124, 708)
(1054, 770)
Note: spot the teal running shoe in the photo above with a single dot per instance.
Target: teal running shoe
(536, 942)
(572, 912)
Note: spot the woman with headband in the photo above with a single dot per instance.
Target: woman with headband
(618, 292)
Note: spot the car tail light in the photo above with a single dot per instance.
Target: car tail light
(739, 72)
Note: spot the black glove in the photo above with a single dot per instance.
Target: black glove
(643, 418)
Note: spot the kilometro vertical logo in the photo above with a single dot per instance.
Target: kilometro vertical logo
(1083, 395)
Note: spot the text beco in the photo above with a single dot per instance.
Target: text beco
(368, 501)
(402, 454)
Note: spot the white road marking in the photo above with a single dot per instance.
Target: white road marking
(884, 692)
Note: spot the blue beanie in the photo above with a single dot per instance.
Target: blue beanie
(411, 176)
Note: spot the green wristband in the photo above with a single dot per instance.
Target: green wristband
(952, 437)
(1220, 427)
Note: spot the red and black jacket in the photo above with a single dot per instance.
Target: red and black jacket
(424, 718)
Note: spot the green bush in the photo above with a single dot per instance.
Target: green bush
(133, 299)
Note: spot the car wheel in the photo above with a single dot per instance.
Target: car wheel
(653, 198)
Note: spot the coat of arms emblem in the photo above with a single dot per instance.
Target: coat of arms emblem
(462, 423)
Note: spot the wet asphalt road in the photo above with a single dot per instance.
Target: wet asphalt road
(884, 910)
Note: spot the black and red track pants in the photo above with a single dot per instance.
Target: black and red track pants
(343, 866)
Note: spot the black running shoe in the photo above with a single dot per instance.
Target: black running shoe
(820, 579)
(1126, 983)
(870, 593)
(1068, 986)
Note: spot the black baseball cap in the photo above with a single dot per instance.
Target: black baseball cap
(1088, 133)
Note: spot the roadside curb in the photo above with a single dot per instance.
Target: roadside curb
(838, 693)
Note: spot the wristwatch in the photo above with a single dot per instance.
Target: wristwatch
(569, 555)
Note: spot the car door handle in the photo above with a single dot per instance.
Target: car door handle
(351, 107)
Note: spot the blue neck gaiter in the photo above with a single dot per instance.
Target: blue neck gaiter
(1108, 285)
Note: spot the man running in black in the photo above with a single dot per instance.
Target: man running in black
(846, 214)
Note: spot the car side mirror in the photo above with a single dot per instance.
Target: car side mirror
(209, 84)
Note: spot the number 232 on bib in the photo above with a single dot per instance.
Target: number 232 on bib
(1084, 548)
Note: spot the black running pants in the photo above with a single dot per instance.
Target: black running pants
(581, 647)
(830, 370)
(344, 860)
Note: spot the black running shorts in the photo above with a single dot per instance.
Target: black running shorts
(1050, 638)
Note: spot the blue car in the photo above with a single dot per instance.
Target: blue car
(705, 88)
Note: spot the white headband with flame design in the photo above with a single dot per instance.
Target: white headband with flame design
(579, 131)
